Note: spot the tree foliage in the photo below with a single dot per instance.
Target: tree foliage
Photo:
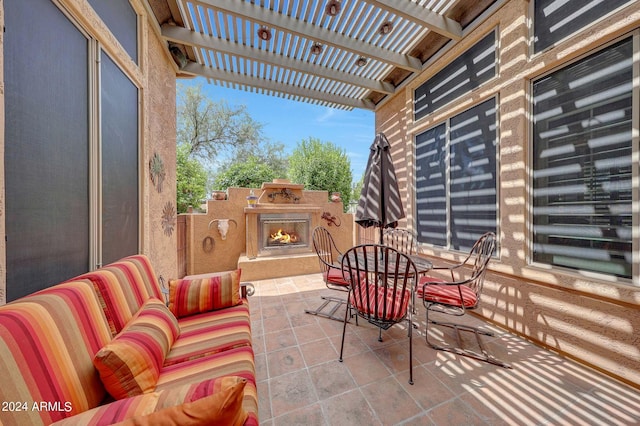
(249, 173)
(261, 164)
(207, 128)
(191, 180)
(321, 166)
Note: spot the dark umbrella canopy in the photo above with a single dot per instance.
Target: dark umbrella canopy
(380, 203)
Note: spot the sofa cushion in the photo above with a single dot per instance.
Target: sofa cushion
(221, 408)
(211, 332)
(149, 403)
(233, 362)
(194, 296)
(130, 364)
(66, 323)
(123, 287)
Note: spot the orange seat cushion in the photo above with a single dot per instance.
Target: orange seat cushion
(334, 276)
(447, 294)
(396, 307)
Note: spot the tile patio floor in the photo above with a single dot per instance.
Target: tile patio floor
(301, 381)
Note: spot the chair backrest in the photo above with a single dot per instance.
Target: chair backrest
(478, 259)
(325, 248)
(400, 239)
(381, 279)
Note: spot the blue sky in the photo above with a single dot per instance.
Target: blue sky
(289, 122)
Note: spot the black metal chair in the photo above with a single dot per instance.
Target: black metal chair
(328, 257)
(457, 296)
(382, 280)
(400, 239)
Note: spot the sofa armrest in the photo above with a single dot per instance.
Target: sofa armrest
(247, 289)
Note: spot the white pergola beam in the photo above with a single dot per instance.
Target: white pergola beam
(422, 16)
(272, 19)
(270, 85)
(184, 36)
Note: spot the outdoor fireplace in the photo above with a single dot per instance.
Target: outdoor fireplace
(283, 233)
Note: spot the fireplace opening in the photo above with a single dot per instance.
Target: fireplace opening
(283, 233)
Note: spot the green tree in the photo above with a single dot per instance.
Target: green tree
(248, 173)
(191, 180)
(207, 128)
(356, 190)
(321, 166)
(261, 164)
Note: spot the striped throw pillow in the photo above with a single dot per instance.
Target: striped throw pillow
(130, 364)
(194, 296)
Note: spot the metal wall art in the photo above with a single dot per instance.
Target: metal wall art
(156, 171)
(168, 218)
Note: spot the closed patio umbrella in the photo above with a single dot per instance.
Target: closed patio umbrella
(380, 203)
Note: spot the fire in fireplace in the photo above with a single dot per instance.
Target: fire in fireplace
(284, 233)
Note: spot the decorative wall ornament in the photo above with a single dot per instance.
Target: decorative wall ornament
(156, 171)
(331, 220)
(168, 218)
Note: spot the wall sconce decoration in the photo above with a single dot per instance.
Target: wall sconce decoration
(333, 8)
(385, 28)
(316, 49)
(168, 218)
(156, 171)
(264, 34)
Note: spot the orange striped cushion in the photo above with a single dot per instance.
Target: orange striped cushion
(131, 363)
(449, 295)
(221, 408)
(149, 403)
(194, 296)
(383, 305)
(47, 344)
(211, 332)
(233, 362)
(123, 287)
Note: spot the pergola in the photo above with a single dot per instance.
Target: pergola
(343, 54)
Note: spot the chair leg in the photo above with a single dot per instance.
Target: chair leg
(328, 308)
(344, 328)
(410, 352)
(483, 356)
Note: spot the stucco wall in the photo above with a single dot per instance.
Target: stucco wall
(590, 318)
(155, 77)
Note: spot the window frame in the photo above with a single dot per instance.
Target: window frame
(635, 154)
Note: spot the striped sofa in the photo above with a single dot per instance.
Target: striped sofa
(48, 341)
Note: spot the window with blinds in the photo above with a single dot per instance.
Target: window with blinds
(456, 179)
(582, 164)
(472, 186)
(555, 20)
(467, 72)
(431, 185)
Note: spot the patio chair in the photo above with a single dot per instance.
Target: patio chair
(328, 256)
(457, 296)
(382, 280)
(400, 239)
